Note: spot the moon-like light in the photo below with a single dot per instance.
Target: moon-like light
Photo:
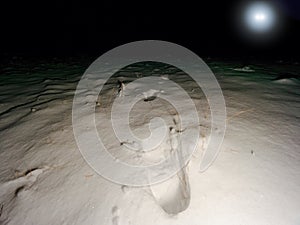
(259, 17)
(258, 22)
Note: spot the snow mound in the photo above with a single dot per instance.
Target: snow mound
(291, 81)
(246, 69)
(287, 78)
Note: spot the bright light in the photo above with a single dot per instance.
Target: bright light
(258, 21)
(259, 17)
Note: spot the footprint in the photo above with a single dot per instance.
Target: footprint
(115, 215)
(1, 209)
(125, 189)
(150, 95)
(173, 195)
(150, 98)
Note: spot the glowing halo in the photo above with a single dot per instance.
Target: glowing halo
(260, 17)
(258, 21)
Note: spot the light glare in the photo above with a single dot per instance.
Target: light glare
(258, 22)
(259, 17)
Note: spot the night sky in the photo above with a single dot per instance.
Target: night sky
(75, 27)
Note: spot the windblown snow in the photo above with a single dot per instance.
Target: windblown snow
(45, 180)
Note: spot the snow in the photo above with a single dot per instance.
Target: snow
(244, 69)
(45, 180)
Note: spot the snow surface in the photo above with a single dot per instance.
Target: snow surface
(45, 180)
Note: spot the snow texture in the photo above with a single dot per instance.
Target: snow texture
(45, 180)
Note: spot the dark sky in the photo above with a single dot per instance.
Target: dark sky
(70, 27)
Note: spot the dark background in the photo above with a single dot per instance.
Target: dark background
(82, 27)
